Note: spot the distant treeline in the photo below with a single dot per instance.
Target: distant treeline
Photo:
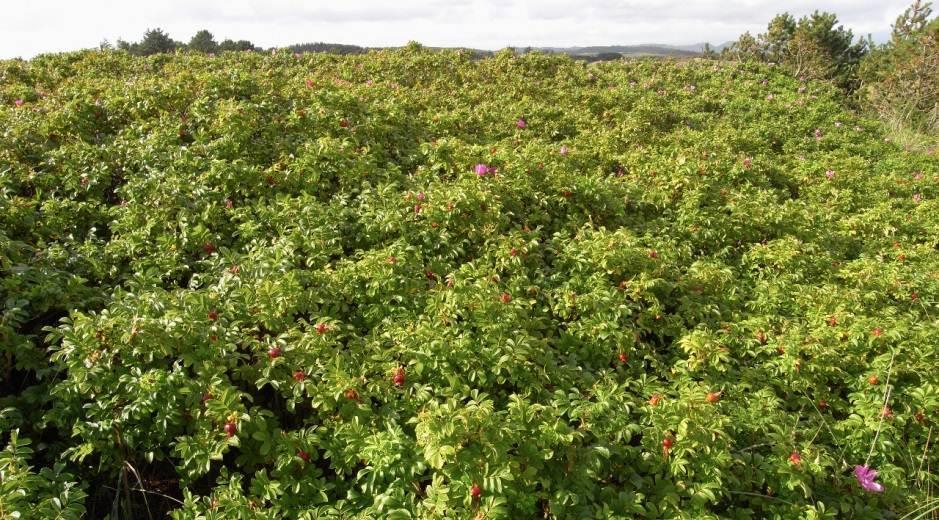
(156, 41)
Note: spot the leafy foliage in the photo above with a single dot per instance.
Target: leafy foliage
(51, 493)
(281, 287)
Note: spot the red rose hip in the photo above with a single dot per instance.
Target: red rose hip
(795, 458)
(398, 377)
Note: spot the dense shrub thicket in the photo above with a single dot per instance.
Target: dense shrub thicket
(410, 284)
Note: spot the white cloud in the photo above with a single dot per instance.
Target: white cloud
(31, 27)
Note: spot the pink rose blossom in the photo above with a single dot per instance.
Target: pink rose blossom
(865, 477)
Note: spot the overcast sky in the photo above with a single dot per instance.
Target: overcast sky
(29, 27)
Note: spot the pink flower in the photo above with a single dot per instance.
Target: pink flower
(309, 83)
(917, 197)
(769, 97)
(747, 162)
(482, 169)
(369, 83)
(830, 174)
(520, 124)
(818, 133)
(918, 176)
(565, 150)
(421, 196)
(18, 102)
(865, 477)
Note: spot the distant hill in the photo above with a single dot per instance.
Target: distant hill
(590, 52)
(694, 47)
(625, 50)
(337, 48)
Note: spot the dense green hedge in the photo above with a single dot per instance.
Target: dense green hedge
(277, 286)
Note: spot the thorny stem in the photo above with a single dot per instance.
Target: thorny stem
(819, 412)
(925, 449)
(886, 398)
